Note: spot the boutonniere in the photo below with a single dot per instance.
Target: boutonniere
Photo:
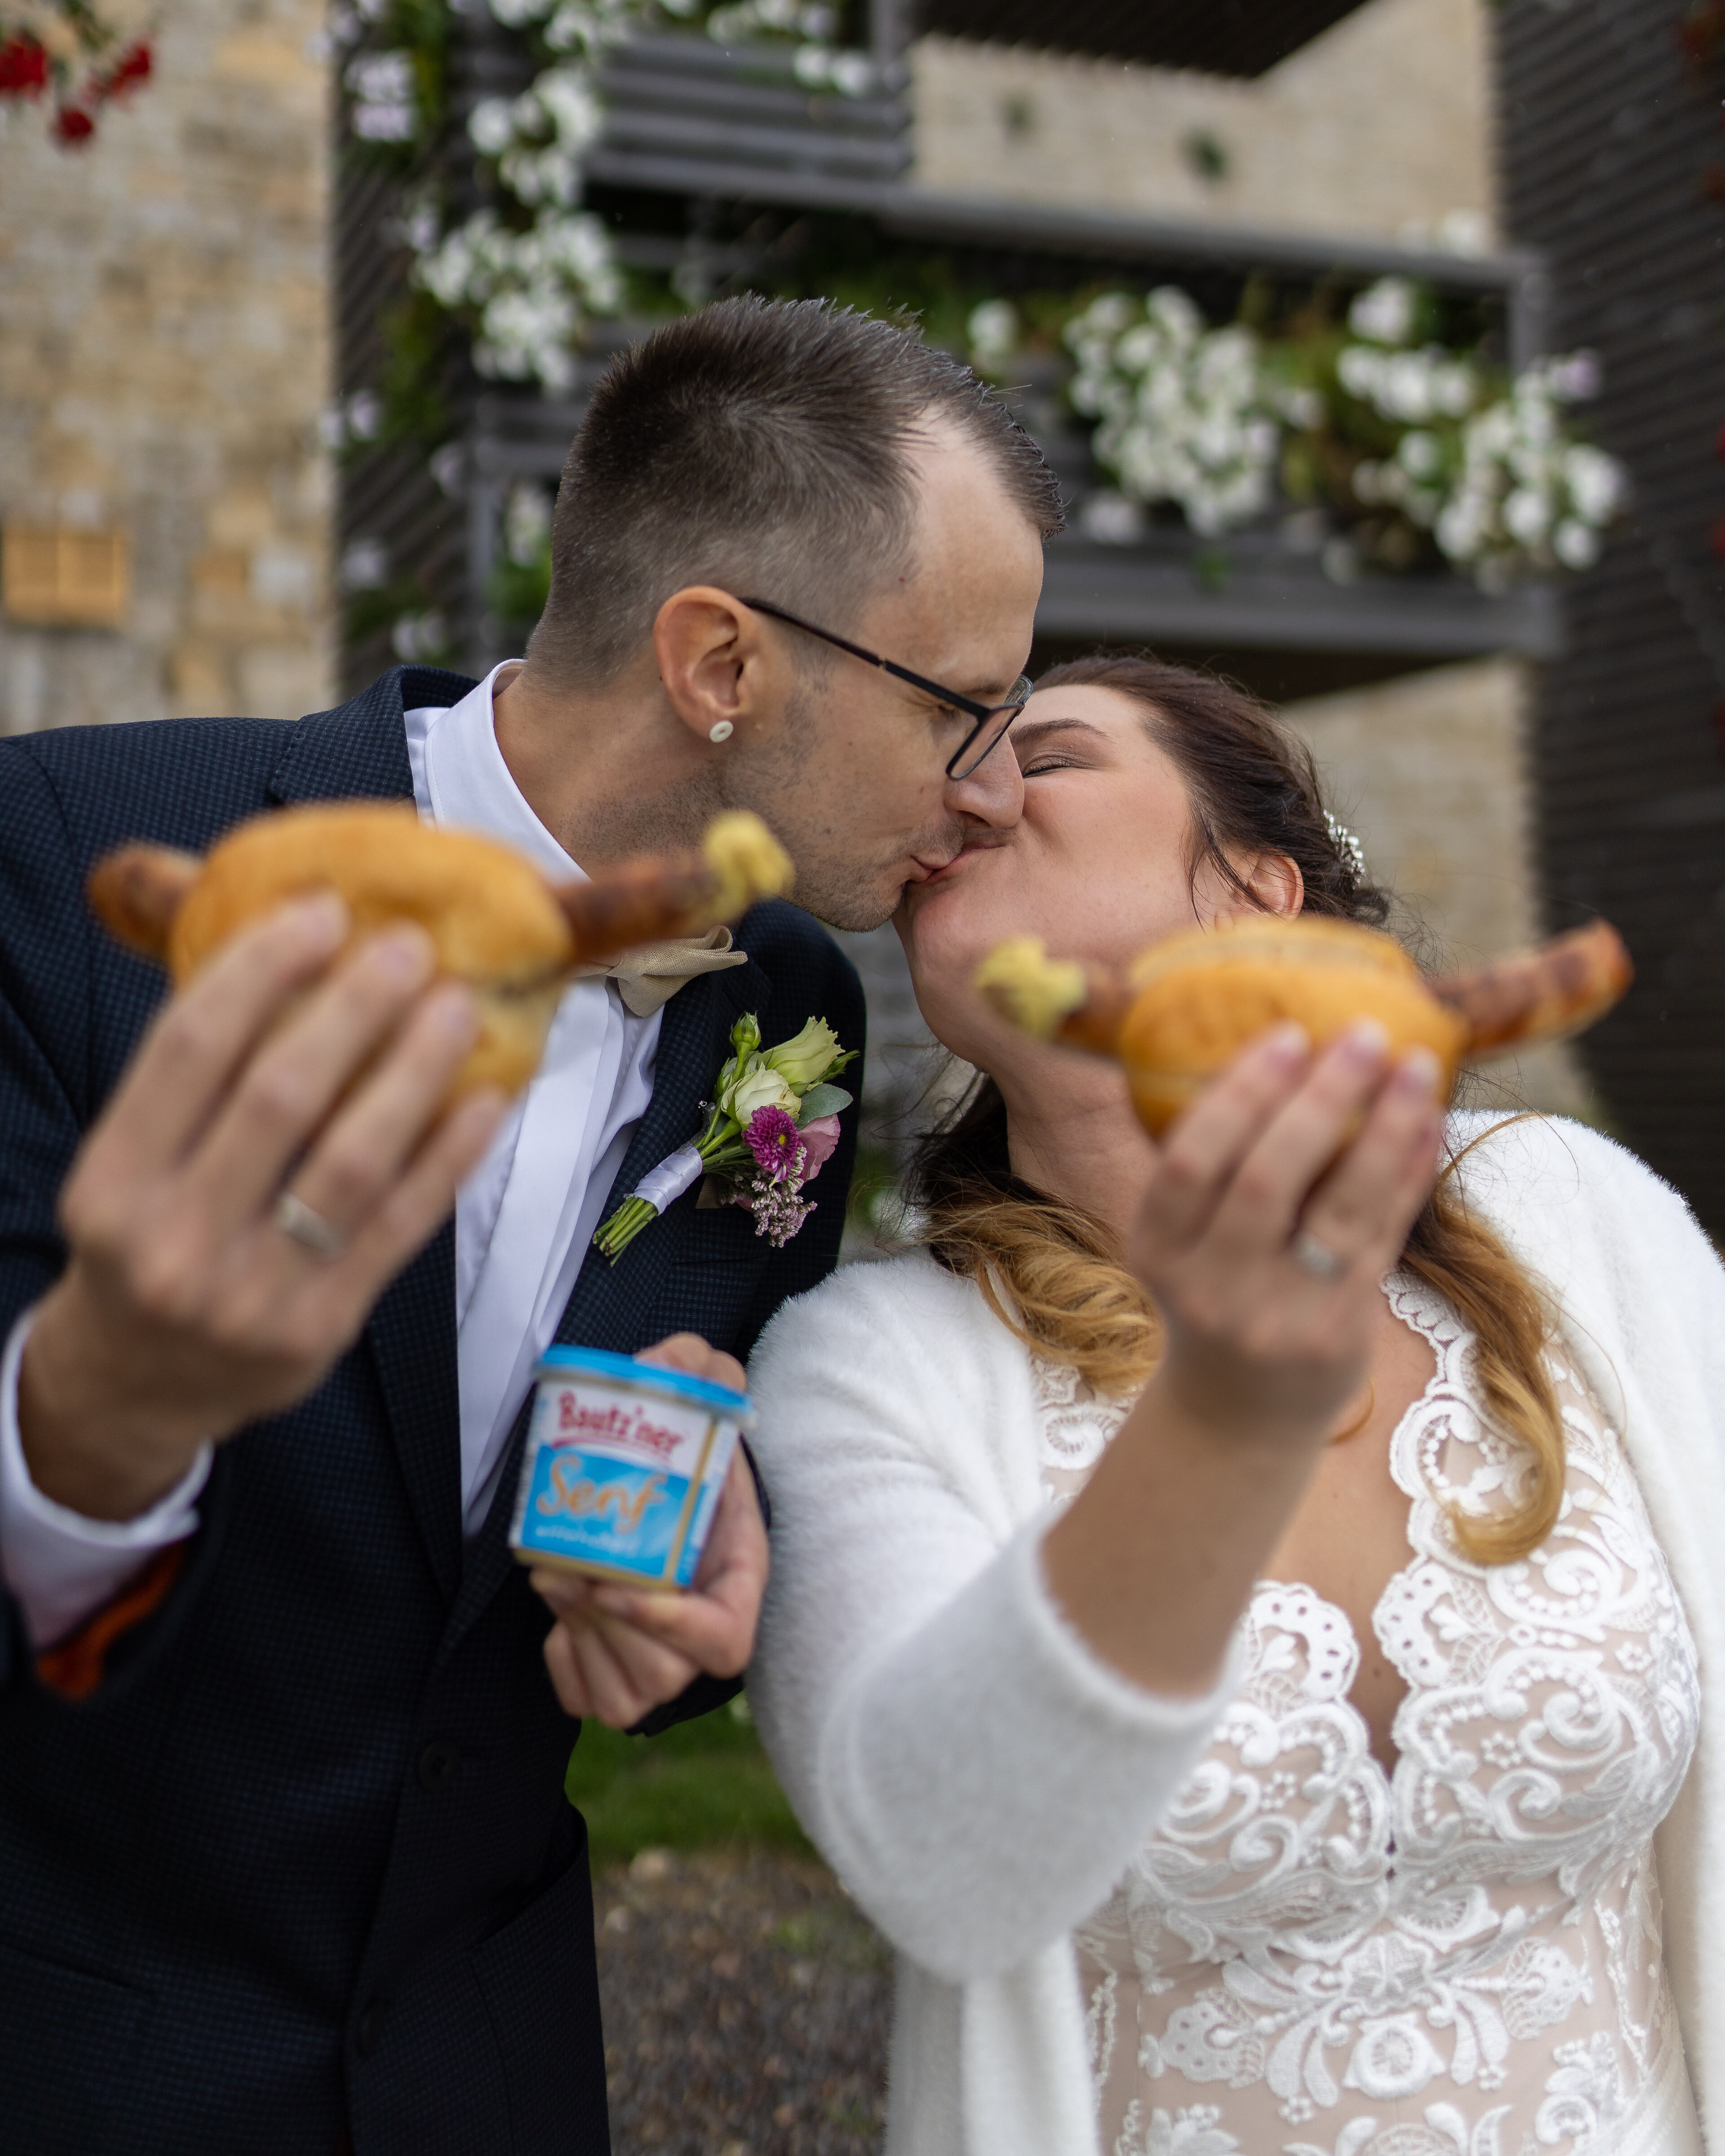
(771, 1127)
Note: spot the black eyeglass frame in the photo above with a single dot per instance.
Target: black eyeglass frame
(982, 713)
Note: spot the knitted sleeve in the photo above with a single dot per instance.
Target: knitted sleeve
(974, 1774)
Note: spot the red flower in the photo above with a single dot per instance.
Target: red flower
(133, 66)
(23, 68)
(72, 126)
(1719, 443)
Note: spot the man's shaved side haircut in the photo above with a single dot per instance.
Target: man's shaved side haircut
(762, 446)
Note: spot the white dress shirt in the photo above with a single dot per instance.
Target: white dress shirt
(523, 1222)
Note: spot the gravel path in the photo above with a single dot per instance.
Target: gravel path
(745, 2006)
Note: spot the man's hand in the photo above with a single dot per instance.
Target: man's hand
(615, 1653)
(186, 1311)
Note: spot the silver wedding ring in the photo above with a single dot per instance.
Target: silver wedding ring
(1315, 1257)
(309, 1229)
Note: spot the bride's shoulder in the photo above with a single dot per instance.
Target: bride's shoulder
(907, 1294)
(882, 1313)
(1544, 1177)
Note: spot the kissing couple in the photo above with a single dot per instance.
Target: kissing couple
(1243, 1615)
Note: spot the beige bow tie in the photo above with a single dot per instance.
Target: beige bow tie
(649, 977)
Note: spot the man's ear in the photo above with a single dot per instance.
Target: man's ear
(1273, 880)
(717, 667)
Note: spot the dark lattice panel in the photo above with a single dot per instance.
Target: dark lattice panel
(1221, 36)
(1608, 136)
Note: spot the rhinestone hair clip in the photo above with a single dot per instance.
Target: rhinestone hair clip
(1352, 852)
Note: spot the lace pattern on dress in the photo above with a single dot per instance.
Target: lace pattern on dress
(1314, 1957)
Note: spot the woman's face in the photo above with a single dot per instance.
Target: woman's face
(1096, 866)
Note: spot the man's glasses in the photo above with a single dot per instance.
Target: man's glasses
(991, 720)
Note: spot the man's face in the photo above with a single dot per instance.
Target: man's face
(854, 779)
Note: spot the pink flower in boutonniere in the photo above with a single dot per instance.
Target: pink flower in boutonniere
(820, 1141)
(773, 1138)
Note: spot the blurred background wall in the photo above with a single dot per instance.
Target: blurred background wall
(1382, 125)
(165, 357)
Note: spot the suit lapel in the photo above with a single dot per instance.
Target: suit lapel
(607, 1306)
(360, 752)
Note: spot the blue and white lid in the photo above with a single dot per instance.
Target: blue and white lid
(601, 1362)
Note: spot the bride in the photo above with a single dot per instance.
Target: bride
(1248, 1631)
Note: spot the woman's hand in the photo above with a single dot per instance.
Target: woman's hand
(1262, 1342)
(1155, 1558)
(617, 1652)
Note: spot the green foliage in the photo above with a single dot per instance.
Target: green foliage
(516, 591)
(704, 1784)
(416, 340)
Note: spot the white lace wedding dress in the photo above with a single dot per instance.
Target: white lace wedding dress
(1315, 1957)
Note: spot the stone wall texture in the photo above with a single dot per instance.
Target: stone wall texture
(164, 358)
(1381, 124)
(1430, 772)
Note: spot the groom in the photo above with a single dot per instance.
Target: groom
(286, 1864)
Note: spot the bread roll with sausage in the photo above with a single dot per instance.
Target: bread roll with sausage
(1184, 1009)
(494, 922)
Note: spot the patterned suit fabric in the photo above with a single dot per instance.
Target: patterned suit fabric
(302, 1866)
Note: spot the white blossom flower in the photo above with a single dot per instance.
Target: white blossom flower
(1111, 519)
(1385, 312)
(526, 524)
(993, 331)
(385, 106)
(1526, 516)
(1575, 544)
(490, 126)
(416, 636)
(1186, 414)
(1596, 483)
(365, 566)
(532, 289)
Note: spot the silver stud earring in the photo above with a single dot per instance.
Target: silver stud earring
(721, 731)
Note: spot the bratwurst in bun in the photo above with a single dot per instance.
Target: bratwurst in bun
(494, 922)
(1185, 1009)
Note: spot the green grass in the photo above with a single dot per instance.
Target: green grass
(704, 1784)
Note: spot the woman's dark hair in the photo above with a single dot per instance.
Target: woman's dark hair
(1053, 1272)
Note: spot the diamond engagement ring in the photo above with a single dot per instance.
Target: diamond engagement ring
(295, 1218)
(1315, 1257)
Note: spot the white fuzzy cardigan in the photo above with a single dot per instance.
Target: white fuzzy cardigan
(978, 1780)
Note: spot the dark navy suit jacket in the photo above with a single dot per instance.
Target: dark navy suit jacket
(302, 1867)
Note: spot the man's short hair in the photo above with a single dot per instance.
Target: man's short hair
(762, 446)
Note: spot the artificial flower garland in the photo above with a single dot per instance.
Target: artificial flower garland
(528, 282)
(1414, 445)
(66, 54)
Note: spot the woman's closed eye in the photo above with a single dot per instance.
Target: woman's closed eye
(1045, 744)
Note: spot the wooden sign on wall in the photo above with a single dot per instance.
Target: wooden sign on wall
(60, 577)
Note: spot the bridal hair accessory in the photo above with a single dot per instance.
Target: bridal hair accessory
(721, 730)
(1352, 852)
(772, 1126)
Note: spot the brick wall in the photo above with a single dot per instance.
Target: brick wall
(1431, 772)
(164, 355)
